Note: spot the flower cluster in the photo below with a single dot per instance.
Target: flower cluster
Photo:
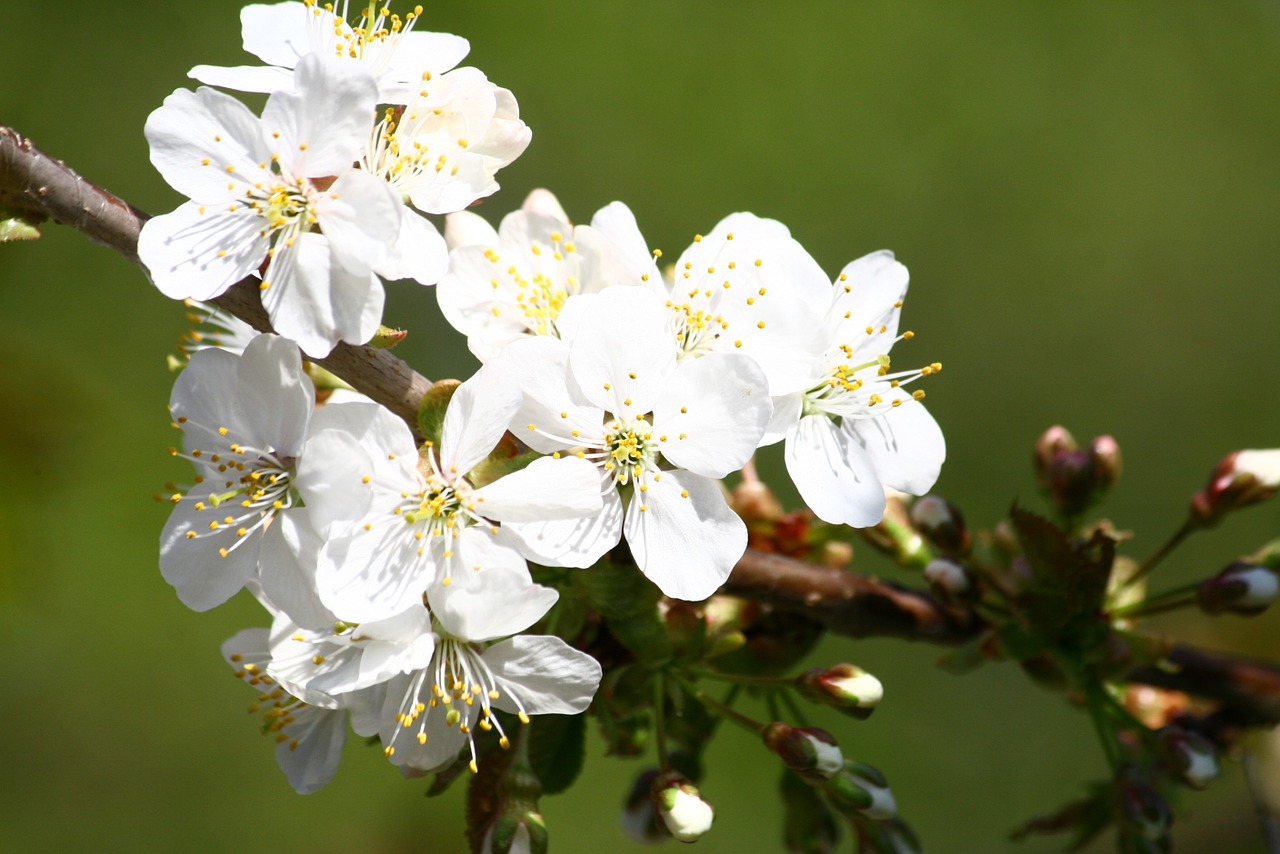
(615, 396)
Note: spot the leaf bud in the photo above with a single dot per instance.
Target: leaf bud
(850, 689)
(810, 752)
(942, 524)
(1241, 478)
(681, 807)
(861, 789)
(948, 578)
(1242, 588)
(1192, 757)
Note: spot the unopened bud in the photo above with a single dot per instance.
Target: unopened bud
(942, 524)
(810, 752)
(754, 501)
(1072, 477)
(861, 789)
(948, 577)
(836, 554)
(1240, 479)
(844, 686)
(681, 807)
(1192, 756)
(1241, 588)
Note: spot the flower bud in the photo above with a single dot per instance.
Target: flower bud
(850, 689)
(836, 554)
(942, 524)
(1074, 478)
(947, 577)
(1241, 588)
(681, 807)
(863, 790)
(1240, 479)
(1192, 756)
(810, 752)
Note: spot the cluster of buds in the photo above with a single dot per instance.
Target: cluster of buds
(1073, 477)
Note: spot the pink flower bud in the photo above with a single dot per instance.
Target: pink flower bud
(1073, 477)
(949, 577)
(1240, 479)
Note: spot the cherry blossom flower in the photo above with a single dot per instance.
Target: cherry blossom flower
(660, 432)
(388, 48)
(429, 524)
(432, 713)
(859, 430)
(513, 282)
(282, 189)
(244, 420)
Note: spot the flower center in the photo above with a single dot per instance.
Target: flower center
(457, 684)
(863, 390)
(372, 39)
(629, 450)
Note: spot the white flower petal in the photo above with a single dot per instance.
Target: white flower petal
(906, 446)
(712, 414)
(833, 474)
(544, 674)
(202, 577)
(309, 757)
(491, 594)
(686, 539)
(244, 78)
(361, 216)
(288, 565)
(869, 293)
(323, 124)
(575, 543)
(623, 351)
(207, 145)
(464, 228)
(567, 488)
(280, 33)
(419, 252)
(478, 414)
(365, 575)
(197, 253)
(275, 394)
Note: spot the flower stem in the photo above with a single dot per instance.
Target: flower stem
(1162, 552)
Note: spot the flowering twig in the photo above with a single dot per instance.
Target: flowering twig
(846, 603)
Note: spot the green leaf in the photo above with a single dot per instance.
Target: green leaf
(1069, 576)
(431, 410)
(18, 225)
(557, 746)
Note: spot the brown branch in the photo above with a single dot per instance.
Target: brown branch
(847, 603)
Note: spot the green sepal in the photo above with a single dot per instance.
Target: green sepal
(500, 462)
(18, 224)
(431, 410)
(386, 337)
(557, 748)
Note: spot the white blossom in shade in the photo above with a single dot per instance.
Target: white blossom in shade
(661, 432)
(683, 811)
(749, 287)
(428, 524)
(281, 189)
(431, 714)
(244, 421)
(309, 739)
(859, 430)
(388, 47)
(513, 282)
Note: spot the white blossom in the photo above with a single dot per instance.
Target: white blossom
(281, 189)
(388, 48)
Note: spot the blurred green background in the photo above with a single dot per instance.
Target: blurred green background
(1087, 196)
